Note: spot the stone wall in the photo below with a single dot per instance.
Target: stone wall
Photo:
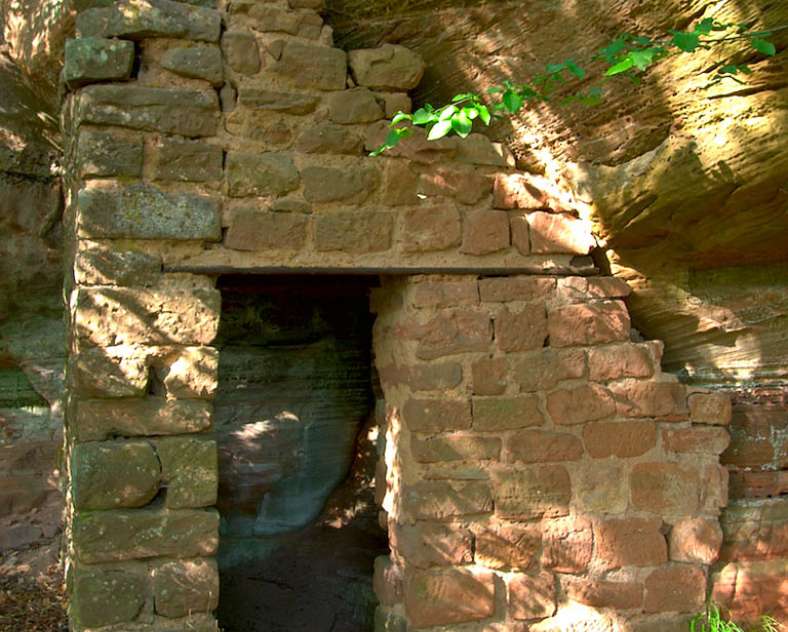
(540, 471)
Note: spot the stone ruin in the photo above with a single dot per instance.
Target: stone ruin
(534, 468)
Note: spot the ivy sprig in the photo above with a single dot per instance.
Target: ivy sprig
(628, 55)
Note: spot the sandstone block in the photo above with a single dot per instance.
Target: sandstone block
(601, 486)
(107, 154)
(444, 292)
(748, 589)
(97, 420)
(675, 589)
(137, 19)
(109, 594)
(541, 446)
(329, 138)
(190, 372)
(546, 368)
(710, 408)
(241, 52)
(465, 186)
(455, 447)
(490, 376)
(97, 265)
(400, 185)
(584, 289)
(187, 161)
(358, 105)
(521, 330)
(429, 228)
(580, 404)
(387, 581)
(696, 540)
(448, 597)
(557, 233)
(453, 332)
(696, 440)
(389, 67)
(114, 474)
(440, 500)
(141, 211)
(333, 184)
(505, 546)
(651, 399)
(252, 174)
(508, 289)
(195, 62)
(599, 593)
(100, 373)
(506, 413)
(525, 191)
(568, 543)
(665, 488)
(428, 544)
(624, 440)
(630, 542)
(190, 469)
(255, 230)
(297, 103)
(477, 149)
(311, 66)
(171, 111)
(521, 233)
(118, 535)
(622, 360)
(424, 377)
(182, 587)
(532, 596)
(354, 232)
(92, 59)
(109, 316)
(530, 493)
(485, 232)
(592, 324)
(437, 415)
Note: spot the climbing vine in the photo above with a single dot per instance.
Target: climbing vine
(628, 56)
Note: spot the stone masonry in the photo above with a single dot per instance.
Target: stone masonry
(539, 471)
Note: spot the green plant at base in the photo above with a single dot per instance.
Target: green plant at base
(628, 56)
(712, 621)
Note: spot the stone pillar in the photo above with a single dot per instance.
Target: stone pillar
(539, 472)
(142, 463)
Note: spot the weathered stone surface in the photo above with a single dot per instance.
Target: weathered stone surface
(353, 232)
(546, 368)
(521, 330)
(108, 594)
(195, 62)
(665, 488)
(241, 52)
(101, 373)
(651, 399)
(530, 493)
(568, 543)
(424, 377)
(332, 184)
(96, 420)
(617, 361)
(748, 589)
(455, 447)
(439, 500)
(311, 66)
(490, 376)
(109, 316)
(252, 174)
(137, 19)
(710, 408)
(428, 544)
(557, 233)
(429, 228)
(141, 211)
(102, 153)
(541, 446)
(629, 542)
(400, 183)
(448, 597)
(624, 440)
(114, 474)
(255, 230)
(358, 105)
(696, 440)
(437, 415)
(467, 186)
(190, 470)
(188, 372)
(506, 413)
(532, 596)
(577, 405)
(389, 67)
(172, 111)
(696, 540)
(675, 589)
(445, 292)
(91, 59)
(187, 161)
(117, 535)
(525, 191)
(601, 486)
(485, 232)
(329, 138)
(453, 332)
(285, 102)
(515, 288)
(505, 546)
(596, 323)
(618, 595)
(183, 587)
(387, 581)
(97, 265)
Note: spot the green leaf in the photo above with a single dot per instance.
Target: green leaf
(423, 117)
(439, 130)
(642, 59)
(399, 117)
(471, 112)
(393, 138)
(512, 101)
(687, 42)
(461, 124)
(622, 66)
(554, 68)
(484, 114)
(465, 96)
(576, 70)
(447, 112)
(611, 52)
(705, 26)
(763, 46)
(495, 90)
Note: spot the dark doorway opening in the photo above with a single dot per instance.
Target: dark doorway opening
(296, 426)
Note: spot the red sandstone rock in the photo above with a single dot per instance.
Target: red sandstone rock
(675, 589)
(619, 595)
(571, 406)
(696, 440)
(710, 408)
(507, 546)
(523, 330)
(665, 488)
(489, 376)
(630, 542)
(485, 232)
(541, 446)
(428, 544)
(448, 597)
(532, 596)
(436, 415)
(568, 543)
(625, 439)
(695, 540)
(589, 324)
